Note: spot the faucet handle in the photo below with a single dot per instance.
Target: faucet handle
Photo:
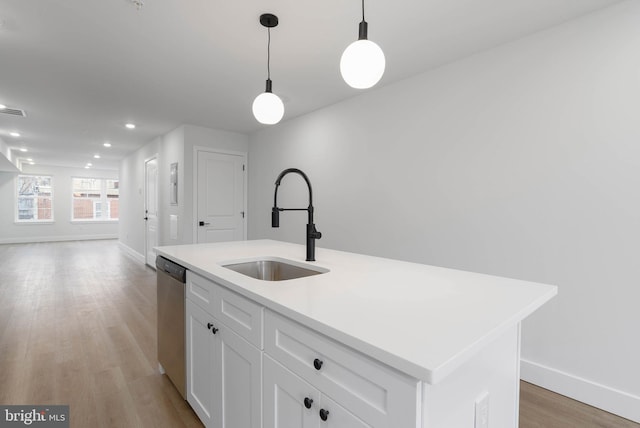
(313, 233)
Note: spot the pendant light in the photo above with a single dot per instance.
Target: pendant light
(362, 63)
(268, 107)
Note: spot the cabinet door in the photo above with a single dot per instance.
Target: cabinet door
(201, 350)
(337, 416)
(237, 379)
(284, 399)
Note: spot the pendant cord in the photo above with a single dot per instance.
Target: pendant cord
(363, 10)
(268, 54)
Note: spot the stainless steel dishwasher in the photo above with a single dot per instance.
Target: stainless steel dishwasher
(171, 321)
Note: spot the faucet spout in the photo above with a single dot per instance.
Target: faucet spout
(312, 232)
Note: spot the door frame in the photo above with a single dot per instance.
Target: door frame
(196, 150)
(146, 191)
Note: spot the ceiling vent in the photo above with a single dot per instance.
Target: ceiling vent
(13, 111)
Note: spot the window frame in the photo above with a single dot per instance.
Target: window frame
(17, 219)
(103, 199)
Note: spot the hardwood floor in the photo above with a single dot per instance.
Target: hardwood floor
(78, 327)
(540, 408)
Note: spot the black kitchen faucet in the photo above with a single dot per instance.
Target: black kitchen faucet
(312, 233)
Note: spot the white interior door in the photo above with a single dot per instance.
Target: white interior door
(220, 197)
(151, 210)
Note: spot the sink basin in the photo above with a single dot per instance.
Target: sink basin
(274, 269)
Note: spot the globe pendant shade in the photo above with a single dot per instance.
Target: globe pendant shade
(268, 108)
(362, 64)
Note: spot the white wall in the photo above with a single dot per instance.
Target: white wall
(131, 228)
(175, 146)
(62, 229)
(523, 161)
(172, 151)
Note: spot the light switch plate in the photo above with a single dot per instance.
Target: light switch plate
(173, 226)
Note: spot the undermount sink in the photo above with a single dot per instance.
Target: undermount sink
(274, 269)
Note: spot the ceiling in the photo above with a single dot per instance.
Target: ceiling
(81, 69)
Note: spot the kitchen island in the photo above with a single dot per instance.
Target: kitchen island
(369, 342)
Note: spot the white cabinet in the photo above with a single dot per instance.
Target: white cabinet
(241, 314)
(225, 383)
(200, 356)
(361, 390)
(284, 398)
(237, 381)
(224, 371)
(244, 316)
(290, 402)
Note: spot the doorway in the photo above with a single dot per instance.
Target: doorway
(151, 209)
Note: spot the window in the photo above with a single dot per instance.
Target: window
(94, 199)
(35, 198)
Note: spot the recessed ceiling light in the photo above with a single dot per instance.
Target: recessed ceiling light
(96, 156)
(32, 163)
(29, 160)
(107, 144)
(2, 106)
(89, 164)
(130, 126)
(87, 167)
(23, 150)
(14, 134)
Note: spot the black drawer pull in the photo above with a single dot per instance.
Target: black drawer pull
(317, 364)
(324, 414)
(308, 402)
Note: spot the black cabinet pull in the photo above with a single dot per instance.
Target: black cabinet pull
(212, 328)
(324, 414)
(317, 364)
(308, 402)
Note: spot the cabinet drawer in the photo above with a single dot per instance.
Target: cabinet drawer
(242, 315)
(201, 291)
(379, 395)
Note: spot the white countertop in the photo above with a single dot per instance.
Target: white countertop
(422, 320)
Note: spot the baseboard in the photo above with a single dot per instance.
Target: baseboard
(35, 239)
(132, 253)
(594, 394)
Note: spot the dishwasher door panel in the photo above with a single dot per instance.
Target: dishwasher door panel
(171, 329)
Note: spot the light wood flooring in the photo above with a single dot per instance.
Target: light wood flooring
(78, 327)
(540, 408)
